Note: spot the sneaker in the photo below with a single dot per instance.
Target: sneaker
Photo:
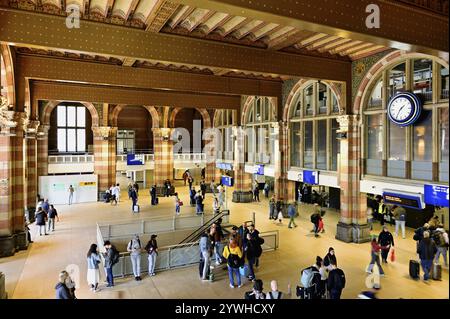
(97, 290)
(136, 278)
(205, 279)
(153, 274)
(231, 286)
(289, 227)
(240, 286)
(46, 234)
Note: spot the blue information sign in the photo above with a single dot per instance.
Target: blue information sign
(311, 177)
(436, 195)
(259, 169)
(227, 181)
(133, 159)
(411, 200)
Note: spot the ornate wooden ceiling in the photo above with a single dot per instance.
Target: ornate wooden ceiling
(170, 17)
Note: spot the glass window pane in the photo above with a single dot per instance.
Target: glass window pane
(334, 104)
(297, 108)
(81, 116)
(443, 143)
(266, 110)
(81, 140)
(258, 115)
(61, 115)
(397, 151)
(308, 145)
(375, 136)
(230, 117)
(61, 139)
(308, 100)
(321, 144)
(422, 167)
(334, 144)
(295, 144)
(71, 140)
(423, 73)
(397, 79)
(323, 96)
(71, 115)
(444, 83)
(375, 99)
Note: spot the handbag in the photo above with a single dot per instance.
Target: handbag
(180, 203)
(392, 255)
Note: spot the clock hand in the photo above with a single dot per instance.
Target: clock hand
(400, 110)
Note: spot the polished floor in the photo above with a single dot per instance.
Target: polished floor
(33, 273)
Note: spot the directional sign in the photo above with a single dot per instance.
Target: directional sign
(436, 195)
(135, 159)
(227, 181)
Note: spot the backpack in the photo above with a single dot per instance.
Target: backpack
(339, 280)
(307, 278)
(233, 260)
(279, 295)
(115, 256)
(439, 239)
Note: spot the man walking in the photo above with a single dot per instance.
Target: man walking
(291, 213)
(385, 240)
(134, 198)
(153, 194)
(400, 219)
(71, 190)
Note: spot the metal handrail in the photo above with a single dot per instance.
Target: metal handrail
(198, 232)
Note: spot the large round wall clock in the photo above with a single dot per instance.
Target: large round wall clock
(404, 108)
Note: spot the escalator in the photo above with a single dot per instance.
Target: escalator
(195, 235)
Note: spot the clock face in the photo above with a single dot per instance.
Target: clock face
(404, 109)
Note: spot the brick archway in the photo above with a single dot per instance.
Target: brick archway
(45, 117)
(383, 64)
(151, 109)
(9, 70)
(203, 112)
(299, 86)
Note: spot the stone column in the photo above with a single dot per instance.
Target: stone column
(42, 151)
(163, 146)
(212, 137)
(12, 221)
(31, 170)
(242, 181)
(105, 156)
(352, 226)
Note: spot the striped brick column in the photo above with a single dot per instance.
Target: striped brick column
(42, 150)
(105, 155)
(242, 181)
(212, 137)
(31, 169)
(352, 226)
(163, 146)
(12, 220)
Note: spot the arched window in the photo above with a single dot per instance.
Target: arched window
(224, 121)
(313, 126)
(408, 152)
(259, 120)
(71, 128)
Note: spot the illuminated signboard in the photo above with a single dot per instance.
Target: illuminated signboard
(135, 159)
(225, 166)
(259, 169)
(411, 200)
(311, 177)
(436, 195)
(227, 181)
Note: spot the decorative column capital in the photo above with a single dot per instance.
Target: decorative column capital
(42, 131)
(104, 132)
(31, 128)
(347, 123)
(11, 122)
(163, 133)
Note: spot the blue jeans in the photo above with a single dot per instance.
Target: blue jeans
(199, 208)
(426, 266)
(230, 275)
(335, 294)
(441, 251)
(218, 251)
(251, 262)
(51, 224)
(177, 209)
(134, 203)
(109, 276)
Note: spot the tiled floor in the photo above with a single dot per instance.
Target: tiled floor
(33, 273)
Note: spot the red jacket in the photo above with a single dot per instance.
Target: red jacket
(375, 247)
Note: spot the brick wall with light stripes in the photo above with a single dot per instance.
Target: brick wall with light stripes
(163, 150)
(105, 156)
(31, 172)
(6, 161)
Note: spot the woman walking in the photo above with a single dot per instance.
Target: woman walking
(93, 274)
(178, 204)
(375, 254)
(41, 217)
(152, 250)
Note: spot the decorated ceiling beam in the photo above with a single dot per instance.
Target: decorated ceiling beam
(41, 90)
(401, 26)
(47, 68)
(93, 37)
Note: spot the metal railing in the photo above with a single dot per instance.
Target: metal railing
(70, 159)
(195, 235)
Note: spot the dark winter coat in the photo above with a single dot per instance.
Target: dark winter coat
(40, 218)
(426, 249)
(385, 239)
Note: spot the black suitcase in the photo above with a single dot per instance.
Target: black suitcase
(414, 269)
(436, 272)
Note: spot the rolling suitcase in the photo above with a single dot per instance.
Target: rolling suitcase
(414, 269)
(436, 272)
(136, 209)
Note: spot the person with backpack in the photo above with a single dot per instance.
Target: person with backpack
(233, 254)
(310, 280)
(276, 294)
(199, 203)
(257, 292)
(385, 240)
(336, 281)
(254, 233)
(426, 250)
(52, 215)
(152, 249)
(399, 214)
(111, 256)
(40, 218)
(252, 250)
(291, 213)
(375, 257)
(205, 251)
(134, 248)
(441, 240)
(93, 274)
